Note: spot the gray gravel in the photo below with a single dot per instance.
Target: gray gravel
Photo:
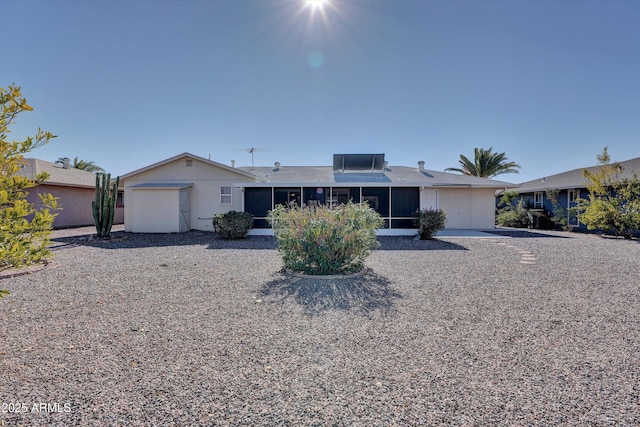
(538, 329)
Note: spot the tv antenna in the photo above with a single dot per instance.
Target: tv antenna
(252, 150)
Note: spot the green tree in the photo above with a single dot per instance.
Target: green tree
(84, 165)
(485, 164)
(508, 200)
(512, 211)
(24, 230)
(559, 214)
(604, 157)
(614, 203)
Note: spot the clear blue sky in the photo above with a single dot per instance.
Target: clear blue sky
(126, 83)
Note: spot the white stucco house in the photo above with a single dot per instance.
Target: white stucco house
(180, 193)
(185, 191)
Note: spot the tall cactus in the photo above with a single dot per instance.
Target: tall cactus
(104, 206)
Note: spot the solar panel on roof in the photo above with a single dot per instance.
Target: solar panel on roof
(360, 177)
(349, 163)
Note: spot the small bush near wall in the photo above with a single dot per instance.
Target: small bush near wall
(324, 240)
(428, 222)
(233, 224)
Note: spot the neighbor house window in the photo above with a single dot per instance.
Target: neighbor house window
(537, 200)
(225, 195)
(573, 196)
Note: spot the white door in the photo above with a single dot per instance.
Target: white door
(185, 210)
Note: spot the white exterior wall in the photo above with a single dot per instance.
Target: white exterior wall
(484, 206)
(428, 198)
(468, 208)
(204, 195)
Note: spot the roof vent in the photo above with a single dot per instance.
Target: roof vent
(65, 163)
(277, 166)
(233, 163)
(421, 165)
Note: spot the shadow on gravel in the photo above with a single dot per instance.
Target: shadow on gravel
(524, 233)
(408, 243)
(360, 295)
(122, 240)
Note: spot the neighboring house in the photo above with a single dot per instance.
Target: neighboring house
(571, 186)
(74, 188)
(185, 191)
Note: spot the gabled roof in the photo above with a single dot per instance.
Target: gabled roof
(58, 175)
(187, 155)
(395, 176)
(575, 178)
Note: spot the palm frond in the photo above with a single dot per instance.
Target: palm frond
(485, 164)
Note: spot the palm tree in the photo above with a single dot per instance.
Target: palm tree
(81, 164)
(486, 164)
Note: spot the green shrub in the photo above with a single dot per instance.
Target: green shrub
(428, 222)
(559, 214)
(613, 205)
(516, 216)
(508, 200)
(324, 240)
(25, 227)
(233, 224)
(616, 216)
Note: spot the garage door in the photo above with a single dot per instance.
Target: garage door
(155, 211)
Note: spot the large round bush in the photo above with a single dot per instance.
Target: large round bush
(325, 240)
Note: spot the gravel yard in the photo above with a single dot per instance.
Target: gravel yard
(536, 329)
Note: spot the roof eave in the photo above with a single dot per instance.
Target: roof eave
(369, 184)
(193, 156)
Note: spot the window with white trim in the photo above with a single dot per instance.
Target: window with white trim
(538, 200)
(573, 196)
(225, 195)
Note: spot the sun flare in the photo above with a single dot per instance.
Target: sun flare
(316, 4)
